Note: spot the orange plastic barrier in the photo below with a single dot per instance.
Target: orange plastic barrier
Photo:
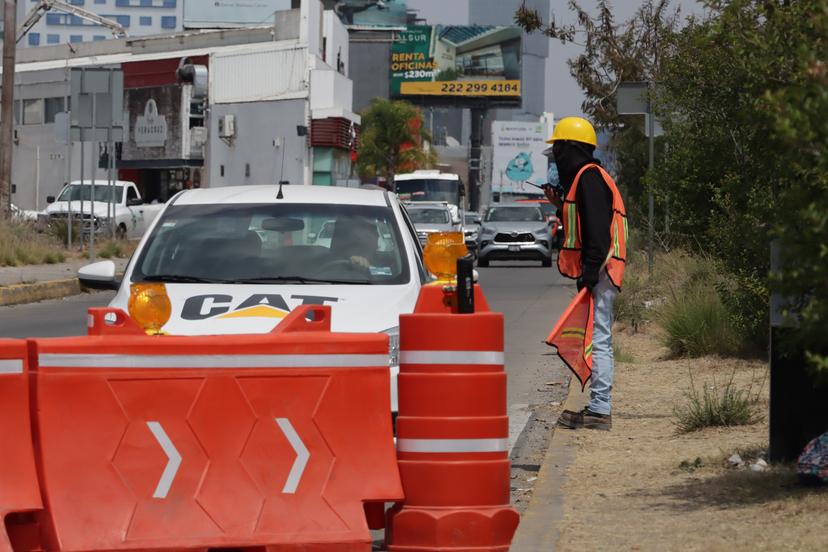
(265, 442)
(19, 490)
(452, 432)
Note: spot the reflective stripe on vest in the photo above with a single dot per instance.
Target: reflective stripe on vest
(569, 259)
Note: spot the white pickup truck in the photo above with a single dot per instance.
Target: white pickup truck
(121, 199)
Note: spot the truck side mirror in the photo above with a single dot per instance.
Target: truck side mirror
(134, 202)
(99, 275)
(50, 199)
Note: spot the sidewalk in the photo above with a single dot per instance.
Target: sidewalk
(30, 283)
(644, 486)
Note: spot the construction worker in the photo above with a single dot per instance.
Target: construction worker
(593, 253)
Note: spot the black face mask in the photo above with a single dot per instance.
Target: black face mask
(569, 158)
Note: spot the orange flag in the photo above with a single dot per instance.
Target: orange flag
(572, 336)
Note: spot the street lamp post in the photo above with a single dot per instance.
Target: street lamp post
(633, 98)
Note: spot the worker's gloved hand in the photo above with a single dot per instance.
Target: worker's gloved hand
(587, 280)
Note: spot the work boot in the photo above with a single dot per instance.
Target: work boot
(586, 419)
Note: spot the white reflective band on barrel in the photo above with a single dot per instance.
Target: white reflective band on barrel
(58, 360)
(451, 357)
(452, 445)
(11, 366)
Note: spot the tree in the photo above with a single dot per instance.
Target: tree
(393, 140)
(614, 53)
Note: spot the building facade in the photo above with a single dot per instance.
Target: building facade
(138, 17)
(249, 106)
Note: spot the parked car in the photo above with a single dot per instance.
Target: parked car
(237, 260)
(514, 231)
(433, 216)
(121, 201)
(471, 229)
(23, 214)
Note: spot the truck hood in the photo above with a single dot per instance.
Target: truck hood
(62, 208)
(217, 309)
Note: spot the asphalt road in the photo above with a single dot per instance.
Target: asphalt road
(61, 317)
(530, 297)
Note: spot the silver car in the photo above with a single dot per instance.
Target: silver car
(514, 232)
(429, 217)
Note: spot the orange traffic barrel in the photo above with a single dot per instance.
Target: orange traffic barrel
(452, 433)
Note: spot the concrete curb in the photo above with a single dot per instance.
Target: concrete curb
(539, 527)
(39, 291)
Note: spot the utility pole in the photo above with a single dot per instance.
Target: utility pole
(7, 106)
(477, 115)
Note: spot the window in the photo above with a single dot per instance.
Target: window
(145, 21)
(34, 39)
(273, 243)
(98, 38)
(52, 107)
(169, 3)
(100, 1)
(74, 39)
(122, 20)
(132, 193)
(33, 112)
(168, 22)
(428, 216)
(514, 214)
(52, 39)
(76, 2)
(103, 192)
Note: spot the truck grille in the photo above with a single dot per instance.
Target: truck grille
(524, 237)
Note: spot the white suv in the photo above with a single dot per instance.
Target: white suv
(237, 260)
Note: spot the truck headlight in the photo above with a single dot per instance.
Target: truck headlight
(393, 345)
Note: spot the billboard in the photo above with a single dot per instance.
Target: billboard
(240, 13)
(371, 13)
(517, 156)
(456, 61)
(232, 13)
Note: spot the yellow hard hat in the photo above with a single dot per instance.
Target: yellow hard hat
(575, 129)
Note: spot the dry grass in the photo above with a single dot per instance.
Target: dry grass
(645, 486)
(21, 244)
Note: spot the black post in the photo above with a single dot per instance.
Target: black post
(477, 116)
(465, 285)
(798, 408)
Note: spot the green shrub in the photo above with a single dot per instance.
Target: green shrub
(620, 354)
(110, 249)
(696, 323)
(715, 407)
(21, 244)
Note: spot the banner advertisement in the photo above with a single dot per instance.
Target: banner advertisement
(517, 157)
(456, 61)
(231, 13)
(240, 13)
(372, 13)
(155, 126)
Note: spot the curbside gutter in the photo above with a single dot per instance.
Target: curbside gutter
(39, 291)
(539, 527)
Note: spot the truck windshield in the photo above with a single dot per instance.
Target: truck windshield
(429, 216)
(429, 190)
(275, 243)
(514, 214)
(78, 192)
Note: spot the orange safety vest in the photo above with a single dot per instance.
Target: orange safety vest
(570, 263)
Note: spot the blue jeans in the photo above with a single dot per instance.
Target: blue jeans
(600, 384)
